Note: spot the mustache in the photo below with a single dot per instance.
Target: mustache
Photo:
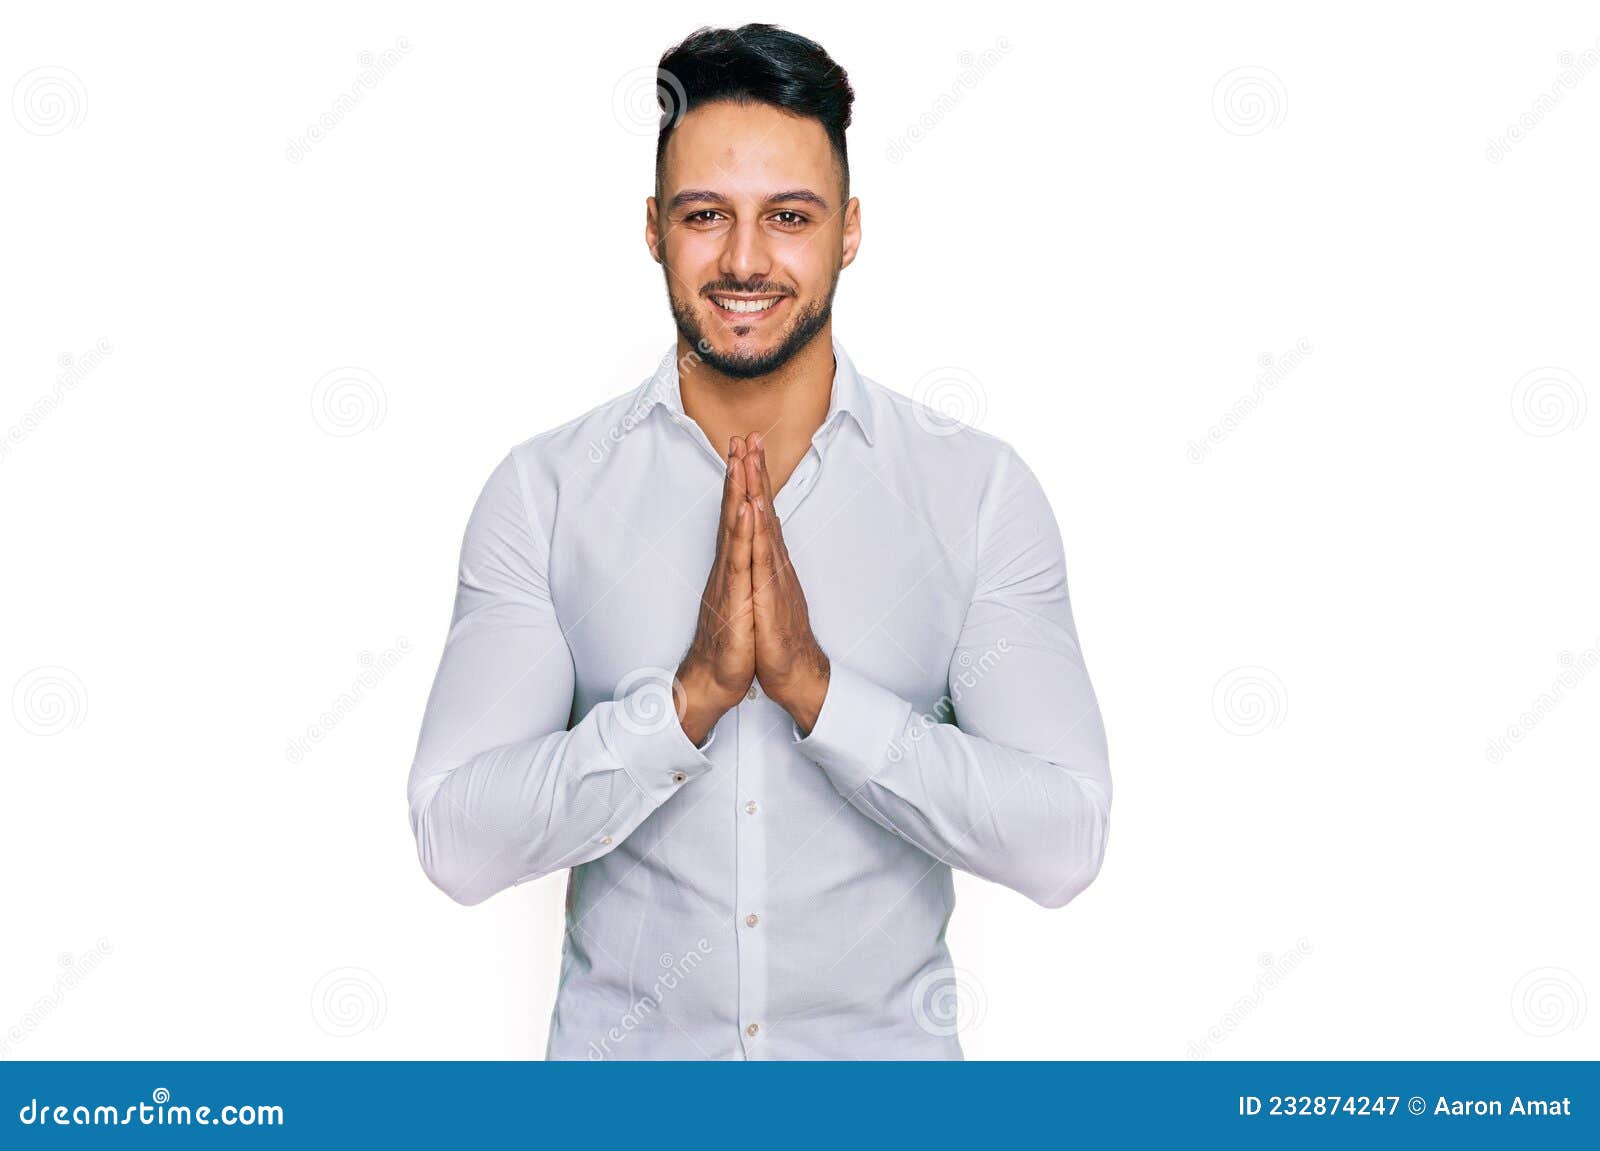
(759, 288)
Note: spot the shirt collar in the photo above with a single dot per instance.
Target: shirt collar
(849, 392)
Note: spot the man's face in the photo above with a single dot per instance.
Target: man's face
(751, 232)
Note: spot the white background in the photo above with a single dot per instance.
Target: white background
(1316, 856)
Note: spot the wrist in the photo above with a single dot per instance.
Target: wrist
(702, 701)
(802, 694)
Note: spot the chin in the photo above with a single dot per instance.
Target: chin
(764, 349)
(746, 347)
(745, 351)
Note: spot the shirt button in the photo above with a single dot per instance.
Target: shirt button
(678, 777)
(751, 807)
(752, 693)
(605, 839)
(752, 919)
(752, 1029)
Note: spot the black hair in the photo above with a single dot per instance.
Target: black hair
(756, 63)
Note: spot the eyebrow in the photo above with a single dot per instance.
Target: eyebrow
(705, 196)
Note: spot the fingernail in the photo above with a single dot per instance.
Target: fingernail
(740, 516)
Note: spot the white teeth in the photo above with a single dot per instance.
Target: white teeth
(745, 305)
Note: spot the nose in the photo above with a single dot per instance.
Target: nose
(745, 257)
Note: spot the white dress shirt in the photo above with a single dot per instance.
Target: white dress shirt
(762, 896)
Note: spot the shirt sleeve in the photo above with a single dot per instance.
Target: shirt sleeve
(501, 790)
(1009, 779)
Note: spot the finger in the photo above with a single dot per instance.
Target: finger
(739, 447)
(741, 544)
(733, 489)
(763, 554)
(756, 481)
(759, 477)
(752, 478)
(756, 475)
(761, 465)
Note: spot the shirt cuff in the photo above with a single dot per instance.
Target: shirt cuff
(858, 724)
(652, 747)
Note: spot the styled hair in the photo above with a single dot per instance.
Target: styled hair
(756, 63)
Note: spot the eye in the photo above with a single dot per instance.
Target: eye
(701, 217)
(794, 219)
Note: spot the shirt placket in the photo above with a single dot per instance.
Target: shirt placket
(750, 878)
(800, 483)
(753, 768)
(755, 724)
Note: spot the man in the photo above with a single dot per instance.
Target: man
(759, 777)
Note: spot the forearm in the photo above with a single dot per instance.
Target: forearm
(1034, 821)
(1031, 823)
(512, 813)
(499, 789)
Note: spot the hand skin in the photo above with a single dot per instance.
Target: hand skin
(790, 663)
(753, 621)
(721, 661)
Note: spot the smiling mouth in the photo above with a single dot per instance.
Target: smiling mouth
(746, 305)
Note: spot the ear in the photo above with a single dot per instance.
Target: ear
(652, 229)
(852, 232)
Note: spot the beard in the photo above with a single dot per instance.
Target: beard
(748, 366)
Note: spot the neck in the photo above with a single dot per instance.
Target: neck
(786, 406)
